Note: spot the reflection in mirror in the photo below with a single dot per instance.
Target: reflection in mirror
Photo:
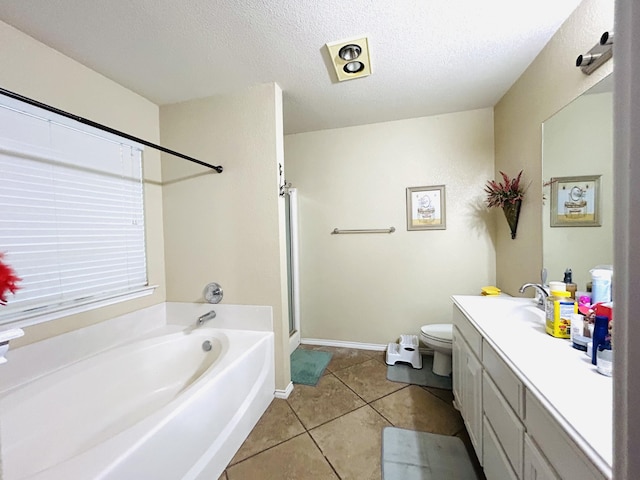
(578, 142)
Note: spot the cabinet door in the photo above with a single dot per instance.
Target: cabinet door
(457, 370)
(536, 466)
(472, 398)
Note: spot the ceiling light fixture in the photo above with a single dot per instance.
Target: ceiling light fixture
(350, 52)
(353, 67)
(350, 58)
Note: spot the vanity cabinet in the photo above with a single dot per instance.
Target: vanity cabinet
(467, 388)
(512, 432)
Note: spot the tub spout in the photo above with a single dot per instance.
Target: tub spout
(207, 316)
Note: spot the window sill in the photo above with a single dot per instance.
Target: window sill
(33, 318)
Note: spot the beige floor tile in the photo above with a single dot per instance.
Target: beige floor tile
(295, 459)
(369, 380)
(353, 444)
(343, 357)
(223, 476)
(380, 356)
(327, 400)
(276, 425)
(415, 408)
(445, 395)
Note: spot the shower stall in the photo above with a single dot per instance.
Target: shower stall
(293, 271)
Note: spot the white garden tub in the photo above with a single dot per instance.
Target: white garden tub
(159, 408)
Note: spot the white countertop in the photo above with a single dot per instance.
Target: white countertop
(559, 376)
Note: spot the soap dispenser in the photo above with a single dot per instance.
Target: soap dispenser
(570, 286)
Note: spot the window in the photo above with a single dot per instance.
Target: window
(71, 213)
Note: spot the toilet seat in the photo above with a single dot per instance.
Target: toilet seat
(440, 332)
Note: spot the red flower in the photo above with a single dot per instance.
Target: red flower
(8, 280)
(499, 194)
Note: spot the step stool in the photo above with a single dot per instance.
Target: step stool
(406, 351)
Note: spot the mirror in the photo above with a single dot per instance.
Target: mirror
(577, 218)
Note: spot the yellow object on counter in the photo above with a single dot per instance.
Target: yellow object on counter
(559, 310)
(487, 291)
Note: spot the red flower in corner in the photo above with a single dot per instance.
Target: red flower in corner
(8, 280)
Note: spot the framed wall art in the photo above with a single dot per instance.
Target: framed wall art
(426, 208)
(575, 201)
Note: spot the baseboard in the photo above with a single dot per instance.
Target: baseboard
(360, 346)
(284, 394)
(339, 343)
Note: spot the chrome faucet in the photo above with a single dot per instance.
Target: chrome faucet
(541, 293)
(207, 316)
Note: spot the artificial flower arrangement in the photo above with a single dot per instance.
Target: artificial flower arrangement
(8, 281)
(507, 195)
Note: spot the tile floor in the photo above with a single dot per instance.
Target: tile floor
(334, 430)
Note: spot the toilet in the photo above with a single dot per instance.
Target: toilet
(439, 338)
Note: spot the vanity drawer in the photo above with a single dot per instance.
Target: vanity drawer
(506, 424)
(504, 378)
(468, 331)
(495, 463)
(536, 466)
(554, 443)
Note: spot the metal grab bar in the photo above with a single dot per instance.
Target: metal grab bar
(366, 230)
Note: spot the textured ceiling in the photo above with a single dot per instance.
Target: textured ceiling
(428, 56)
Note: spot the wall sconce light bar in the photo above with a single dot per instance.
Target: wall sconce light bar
(601, 52)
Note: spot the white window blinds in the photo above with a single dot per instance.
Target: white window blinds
(71, 211)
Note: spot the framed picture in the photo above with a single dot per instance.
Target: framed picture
(575, 201)
(426, 208)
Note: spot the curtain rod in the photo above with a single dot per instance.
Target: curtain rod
(35, 103)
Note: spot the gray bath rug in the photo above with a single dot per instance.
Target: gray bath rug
(411, 455)
(404, 373)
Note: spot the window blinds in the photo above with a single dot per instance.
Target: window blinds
(71, 211)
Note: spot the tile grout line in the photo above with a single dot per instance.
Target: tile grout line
(325, 457)
(265, 450)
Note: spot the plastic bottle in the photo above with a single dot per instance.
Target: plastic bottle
(569, 285)
(600, 332)
(601, 285)
(559, 309)
(578, 339)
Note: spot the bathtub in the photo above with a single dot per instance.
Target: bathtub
(158, 408)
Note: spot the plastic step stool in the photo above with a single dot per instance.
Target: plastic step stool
(407, 351)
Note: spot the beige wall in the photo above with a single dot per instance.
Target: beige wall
(39, 72)
(371, 288)
(578, 140)
(550, 83)
(227, 227)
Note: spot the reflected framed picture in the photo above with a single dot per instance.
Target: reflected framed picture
(426, 208)
(575, 201)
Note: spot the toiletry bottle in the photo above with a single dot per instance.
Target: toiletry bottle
(600, 332)
(559, 309)
(570, 286)
(578, 338)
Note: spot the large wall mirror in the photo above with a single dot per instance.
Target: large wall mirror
(577, 216)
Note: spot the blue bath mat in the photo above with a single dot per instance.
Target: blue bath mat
(307, 366)
(411, 455)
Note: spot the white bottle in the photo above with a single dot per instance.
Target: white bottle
(578, 339)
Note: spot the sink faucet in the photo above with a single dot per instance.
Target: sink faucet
(207, 316)
(541, 293)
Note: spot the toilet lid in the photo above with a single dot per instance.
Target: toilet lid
(439, 331)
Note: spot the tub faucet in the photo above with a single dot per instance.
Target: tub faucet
(541, 293)
(207, 316)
